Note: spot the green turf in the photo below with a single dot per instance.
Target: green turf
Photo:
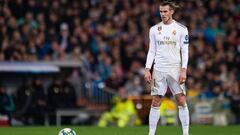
(167, 130)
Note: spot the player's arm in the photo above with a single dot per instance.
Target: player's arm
(184, 55)
(150, 56)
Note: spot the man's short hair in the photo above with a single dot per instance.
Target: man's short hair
(170, 3)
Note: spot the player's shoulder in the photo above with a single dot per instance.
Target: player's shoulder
(180, 25)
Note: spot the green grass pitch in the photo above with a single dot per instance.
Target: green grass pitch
(142, 130)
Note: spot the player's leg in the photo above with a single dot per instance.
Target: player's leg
(105, 118)
(158, 87)
(154, 114)
(183, 112)
(122, 120)
(180, 94)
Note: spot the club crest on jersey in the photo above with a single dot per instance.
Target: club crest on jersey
(159, 29)
(174, 32)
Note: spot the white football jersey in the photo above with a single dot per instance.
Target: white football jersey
(168, 47)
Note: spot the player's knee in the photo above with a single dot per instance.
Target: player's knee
(156, 101)
(156, 104)
(181, 100)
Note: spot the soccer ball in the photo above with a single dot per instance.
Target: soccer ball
(67, 131)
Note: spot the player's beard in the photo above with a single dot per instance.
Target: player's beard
(166, 19)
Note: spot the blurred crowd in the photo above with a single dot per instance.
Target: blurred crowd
(110, 39)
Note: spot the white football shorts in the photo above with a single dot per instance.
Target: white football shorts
(162, 80)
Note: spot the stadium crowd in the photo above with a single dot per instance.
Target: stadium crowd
(110, 38)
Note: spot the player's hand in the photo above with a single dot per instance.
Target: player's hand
(183, 76)
(147, 75)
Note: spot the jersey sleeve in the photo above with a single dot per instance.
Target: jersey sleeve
(184, 47)
(152, 49)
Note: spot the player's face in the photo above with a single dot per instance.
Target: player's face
(166, 13)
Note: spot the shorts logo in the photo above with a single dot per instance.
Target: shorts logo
(153, 89)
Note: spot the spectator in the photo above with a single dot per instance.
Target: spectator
(39, 102)
(24, 98)
(54, 98)
(7, 105)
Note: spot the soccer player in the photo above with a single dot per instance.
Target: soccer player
(168, 50)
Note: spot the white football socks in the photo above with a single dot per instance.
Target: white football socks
(154, 116)
(184, 118)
